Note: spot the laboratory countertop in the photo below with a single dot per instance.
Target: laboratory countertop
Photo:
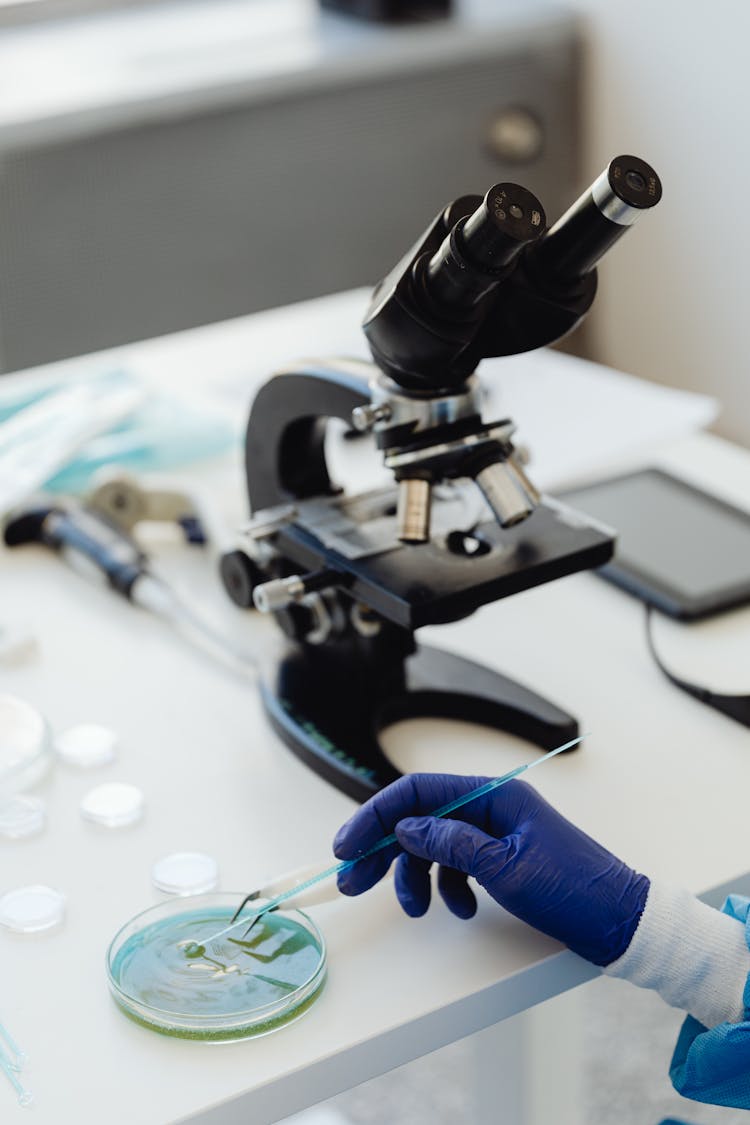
(660, 779)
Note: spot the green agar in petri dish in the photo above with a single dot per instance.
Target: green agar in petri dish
(167, 975)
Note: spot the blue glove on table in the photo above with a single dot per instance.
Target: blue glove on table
(528, 857)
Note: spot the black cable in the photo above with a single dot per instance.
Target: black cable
(735, 706)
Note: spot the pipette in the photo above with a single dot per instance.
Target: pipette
(12, 1059)
(347, 864)
(17, 1056)
(25, 1097)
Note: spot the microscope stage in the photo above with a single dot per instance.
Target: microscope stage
(449, 577)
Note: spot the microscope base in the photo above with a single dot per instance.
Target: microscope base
(330, 710)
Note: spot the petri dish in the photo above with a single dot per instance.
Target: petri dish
(185, 873)
(163, 977)
(87, 745)
(21, 817)
(31, 910)
(25, 746)
(113, 805)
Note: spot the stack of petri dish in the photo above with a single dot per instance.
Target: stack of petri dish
(25, 746)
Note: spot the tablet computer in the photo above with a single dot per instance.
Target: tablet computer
(678, 548)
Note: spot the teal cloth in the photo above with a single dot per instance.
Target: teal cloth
(713, 1065)
(163, 433)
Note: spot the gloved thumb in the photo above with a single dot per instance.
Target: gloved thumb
(453, 843)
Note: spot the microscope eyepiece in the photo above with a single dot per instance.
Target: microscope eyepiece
(476, 254)
(574, 245)
(508, 217)
(488, 279)
(628, 186)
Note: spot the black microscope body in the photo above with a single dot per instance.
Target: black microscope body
(350, 579)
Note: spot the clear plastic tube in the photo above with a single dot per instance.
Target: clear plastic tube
(156, 596)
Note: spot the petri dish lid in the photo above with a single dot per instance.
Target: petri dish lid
(113, 805)
(24, 745)
(21, 817)
(185, 873)
(31, 910)
(87, 745)
(171, 970)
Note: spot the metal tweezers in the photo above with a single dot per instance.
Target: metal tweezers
(323, 892)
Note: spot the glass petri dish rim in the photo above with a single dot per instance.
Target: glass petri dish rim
(239, 1024)
(28, 772)
(204, 886)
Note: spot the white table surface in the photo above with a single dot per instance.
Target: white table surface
(661, 780)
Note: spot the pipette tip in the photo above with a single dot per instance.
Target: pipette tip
(558, 750)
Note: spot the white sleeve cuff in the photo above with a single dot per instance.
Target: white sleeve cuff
(695, 957)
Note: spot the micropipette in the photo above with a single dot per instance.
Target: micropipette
(347, 864)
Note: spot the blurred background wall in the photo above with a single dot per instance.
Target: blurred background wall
(175, 164)
(169, 164)
(671, 81)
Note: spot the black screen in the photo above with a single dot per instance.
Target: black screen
(683, 539)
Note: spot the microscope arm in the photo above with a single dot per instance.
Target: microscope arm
(285, 446)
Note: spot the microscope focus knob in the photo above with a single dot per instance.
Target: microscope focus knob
(296, 622)
(240, 576)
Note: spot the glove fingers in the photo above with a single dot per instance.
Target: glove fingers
(498, 813)
(456, 892)
(366, 873)
(453, 843)
(413, 795)
(412, 883)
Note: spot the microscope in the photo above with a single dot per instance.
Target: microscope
(351, 578)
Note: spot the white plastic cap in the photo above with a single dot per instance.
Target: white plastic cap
(185, 873)
(113, 805)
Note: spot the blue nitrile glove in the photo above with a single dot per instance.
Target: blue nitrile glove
(526, 855)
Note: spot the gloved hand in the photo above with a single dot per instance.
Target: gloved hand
(526, 855)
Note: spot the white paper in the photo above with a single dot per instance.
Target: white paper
(582, 421)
